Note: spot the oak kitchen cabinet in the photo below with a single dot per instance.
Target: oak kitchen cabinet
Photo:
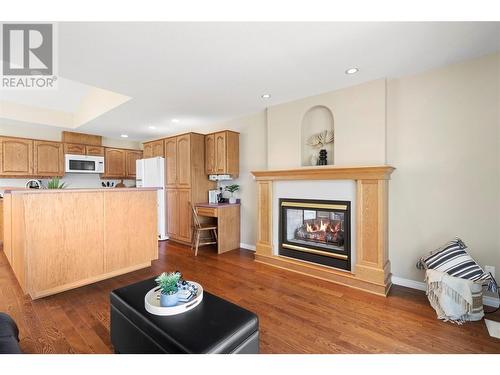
(114, 163)
(80, 149)
(187, 183)
(48, 158)
(120, 163)
(222, 153)
(130, 158)
(16, 156)
(153, 149)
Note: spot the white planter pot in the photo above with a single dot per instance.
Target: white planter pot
(232, 200)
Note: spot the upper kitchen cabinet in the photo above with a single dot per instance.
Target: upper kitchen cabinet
(115, 163)
(171, 161)
(16, 156)
(74, 149)
(184, 161)
(210, 154)
(80, 149)
(94, 150)
(131, 157)
(153, 149)
(120, 163)
(222, 153)
(48, 158)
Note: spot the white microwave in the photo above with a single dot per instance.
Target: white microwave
(83, 164)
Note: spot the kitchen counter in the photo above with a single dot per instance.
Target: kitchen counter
(57, 240)
(82, 190)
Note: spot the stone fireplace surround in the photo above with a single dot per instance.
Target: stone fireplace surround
(365, 187)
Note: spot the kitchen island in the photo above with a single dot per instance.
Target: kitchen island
(57, 240)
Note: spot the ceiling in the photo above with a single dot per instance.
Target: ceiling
(200, 73)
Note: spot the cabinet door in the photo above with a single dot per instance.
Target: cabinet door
(220, 152)
(16, 157)
(131, 157)
(148, 150)
(171, 161)
(172, 213)
(74, 149)
(157, 148)
(48, 159)
(184, 161)
(210, 154)
(185, 214)
(94, 150)
(114, 163)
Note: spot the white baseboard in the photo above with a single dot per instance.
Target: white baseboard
(487, 300)
(247, 246)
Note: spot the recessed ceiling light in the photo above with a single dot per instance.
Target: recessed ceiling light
(124, 136)
(175, 120)
(152, 127)
(352, 71)
(266, 96)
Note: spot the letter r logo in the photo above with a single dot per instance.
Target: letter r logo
(27, 49)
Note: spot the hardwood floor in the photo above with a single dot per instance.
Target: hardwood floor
(298, 314)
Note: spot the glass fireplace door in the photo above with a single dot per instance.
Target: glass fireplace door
(316, 231)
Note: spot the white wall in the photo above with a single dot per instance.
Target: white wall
(359, 122)
(443, 138)
(253, 156)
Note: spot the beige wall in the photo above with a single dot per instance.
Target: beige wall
(443, 138)
(253, 156)
(359, 122)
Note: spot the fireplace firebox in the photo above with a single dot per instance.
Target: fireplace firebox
(316, 231)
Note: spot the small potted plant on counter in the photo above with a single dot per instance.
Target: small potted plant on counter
(232, 188)
(55, 183)
(168, 287)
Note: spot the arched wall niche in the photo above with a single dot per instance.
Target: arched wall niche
(315, 120)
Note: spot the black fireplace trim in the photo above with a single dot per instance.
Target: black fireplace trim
(344, 264)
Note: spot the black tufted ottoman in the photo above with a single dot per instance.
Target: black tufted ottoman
(9, 335)
(214, 326)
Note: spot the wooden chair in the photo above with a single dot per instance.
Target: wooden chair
(198, 228)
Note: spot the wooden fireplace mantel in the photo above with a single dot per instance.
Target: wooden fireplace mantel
(372, 269)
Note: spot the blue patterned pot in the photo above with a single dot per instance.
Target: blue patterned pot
(168, 300)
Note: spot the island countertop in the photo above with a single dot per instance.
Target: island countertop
(10, 190)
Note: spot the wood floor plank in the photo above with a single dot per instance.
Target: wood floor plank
(297, 314)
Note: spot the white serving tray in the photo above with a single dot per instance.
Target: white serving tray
(152, 303)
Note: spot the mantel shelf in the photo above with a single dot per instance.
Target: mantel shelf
(329, 172)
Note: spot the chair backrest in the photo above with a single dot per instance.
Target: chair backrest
(196, 219)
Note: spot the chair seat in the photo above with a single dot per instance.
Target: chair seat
(207, 227)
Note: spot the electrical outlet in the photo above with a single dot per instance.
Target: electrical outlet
(490, 269)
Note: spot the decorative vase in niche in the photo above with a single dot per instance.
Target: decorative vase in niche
(322, 157)
(168, 300)
(314, 158)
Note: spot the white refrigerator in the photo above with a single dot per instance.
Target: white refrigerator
(151, 173)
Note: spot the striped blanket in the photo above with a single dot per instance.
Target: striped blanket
(453, 259)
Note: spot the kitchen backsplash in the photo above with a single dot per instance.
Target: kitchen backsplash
(72, 180)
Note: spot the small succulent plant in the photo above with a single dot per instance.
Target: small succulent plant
(167, 282)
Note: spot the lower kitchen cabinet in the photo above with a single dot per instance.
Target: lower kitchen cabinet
(179, 214)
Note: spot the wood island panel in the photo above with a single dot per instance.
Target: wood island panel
(58, 241)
